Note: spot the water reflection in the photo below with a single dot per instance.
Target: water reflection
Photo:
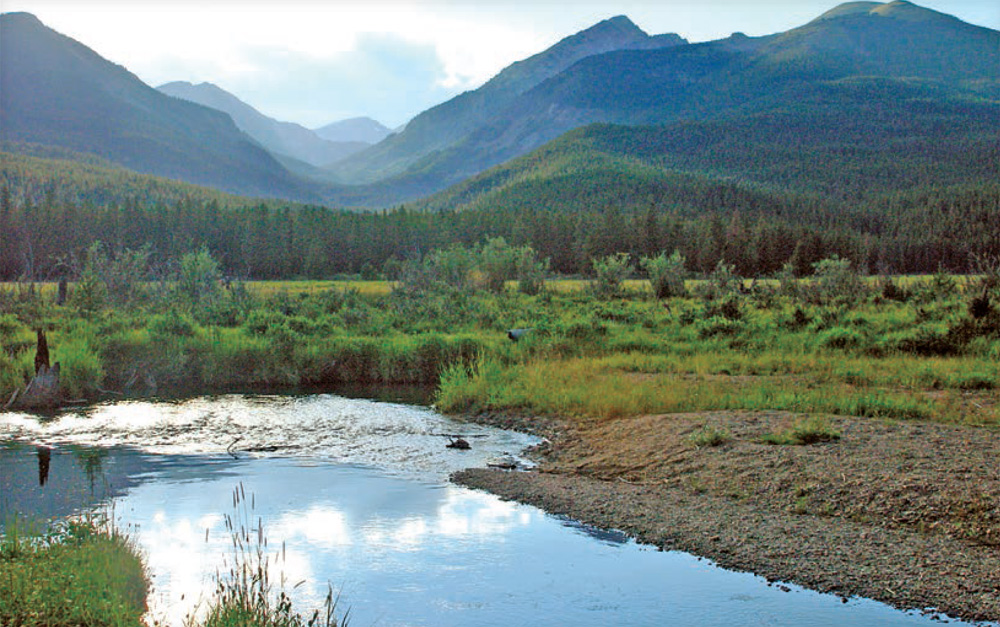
(406, 547)
(44, 459)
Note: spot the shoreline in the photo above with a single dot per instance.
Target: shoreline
(727, 503)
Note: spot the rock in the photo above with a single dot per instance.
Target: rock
(459, 443)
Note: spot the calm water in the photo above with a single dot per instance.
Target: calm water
(355, 493)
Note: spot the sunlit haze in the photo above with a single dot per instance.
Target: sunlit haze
(316, 62)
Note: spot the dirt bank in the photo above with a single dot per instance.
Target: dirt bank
(904, 513)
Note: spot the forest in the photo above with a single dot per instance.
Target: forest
(52, 211)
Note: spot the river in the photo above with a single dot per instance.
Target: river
(353, 493)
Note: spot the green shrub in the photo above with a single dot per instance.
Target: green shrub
(609, 274)
(841, 338)
(171, 323)
(666, 274)
(81, 371)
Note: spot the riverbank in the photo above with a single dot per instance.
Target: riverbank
(902, 512)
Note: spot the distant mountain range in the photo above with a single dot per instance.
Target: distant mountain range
(54, 90)
(280, 138)
(364, 130)
(782, 111)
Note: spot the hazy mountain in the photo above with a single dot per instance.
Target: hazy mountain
(365, 130)
(446, 124)
(738, 76)
(54, 90)
(282, 138)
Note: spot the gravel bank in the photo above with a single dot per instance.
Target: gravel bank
(908, 514)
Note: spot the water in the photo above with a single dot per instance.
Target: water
(356, 494)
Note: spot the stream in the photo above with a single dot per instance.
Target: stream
(354, 493)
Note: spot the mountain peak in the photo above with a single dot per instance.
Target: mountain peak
(897, 9)
(20, 17)
(618, 28)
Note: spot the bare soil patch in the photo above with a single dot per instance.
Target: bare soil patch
(906, 513)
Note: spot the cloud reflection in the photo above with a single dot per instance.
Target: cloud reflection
(308, 547)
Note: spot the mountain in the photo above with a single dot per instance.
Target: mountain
(866, 48)
(281, 138)
(56, 91)
(365, 130)
(443, 126)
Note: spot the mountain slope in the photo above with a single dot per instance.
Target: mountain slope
(443, 125)
(86, 103)
(839, 156)
(738, 76)
(282, 138)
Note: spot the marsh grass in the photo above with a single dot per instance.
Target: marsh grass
(84, 572)
(753, 348)
(245, 595)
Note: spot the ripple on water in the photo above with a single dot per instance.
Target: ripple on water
(397, 438)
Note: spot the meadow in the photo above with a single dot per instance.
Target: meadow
(923, 348)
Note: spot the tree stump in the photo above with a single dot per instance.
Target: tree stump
(43, 391)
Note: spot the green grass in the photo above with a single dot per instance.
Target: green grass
(917, 359)
(87, 573)
(709, 436)
(808, 430)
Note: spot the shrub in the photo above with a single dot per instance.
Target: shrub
(609, 274)
(666, 274)
(836, 280)
(841, 338)
(531, 272)
(722, 283)
(198, 277)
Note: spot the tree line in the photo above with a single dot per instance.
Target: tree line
(903, 232)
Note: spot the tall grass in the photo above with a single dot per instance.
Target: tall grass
(84, 573)
(244, 595)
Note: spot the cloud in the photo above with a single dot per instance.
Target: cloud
(384, 76)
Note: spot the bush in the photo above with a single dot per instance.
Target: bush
(198, 277)
(841, 338)
(836, 280)
(610, 272)
(666, 274)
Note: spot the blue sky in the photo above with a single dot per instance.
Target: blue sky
(314, 62)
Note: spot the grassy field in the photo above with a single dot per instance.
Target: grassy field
(905, 349)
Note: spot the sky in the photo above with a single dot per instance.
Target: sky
(318, 61)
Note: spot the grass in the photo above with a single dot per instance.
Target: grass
(85, 573)
(709, 436)
(917, 359)
(808, 430)
(244, 594)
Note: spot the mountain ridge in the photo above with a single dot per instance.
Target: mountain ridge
(279, 138)
(443, 125)
(90, 104)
